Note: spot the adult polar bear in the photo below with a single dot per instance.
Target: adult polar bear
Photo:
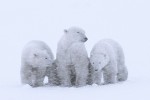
(36, 58)
(72, 58)
(107, 57)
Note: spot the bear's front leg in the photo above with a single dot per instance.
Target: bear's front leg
(110, 75)
(38, 82)
(38, 75)
(26, 73)
(81, 76)
(64, 76)
(109, 78)
(97, 77)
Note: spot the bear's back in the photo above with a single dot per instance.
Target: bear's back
(117, 49)
(34, 46)
(102, 47)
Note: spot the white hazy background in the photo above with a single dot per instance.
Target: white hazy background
(126, 21)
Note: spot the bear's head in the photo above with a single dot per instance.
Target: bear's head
(99, 61)
(76, 34)
(41, 58)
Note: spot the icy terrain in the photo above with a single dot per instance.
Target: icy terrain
(126, 21)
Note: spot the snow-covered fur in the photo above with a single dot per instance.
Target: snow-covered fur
(72, 58)
(107, 57)
(36, 58)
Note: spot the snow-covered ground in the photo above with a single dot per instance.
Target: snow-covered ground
(126, 21)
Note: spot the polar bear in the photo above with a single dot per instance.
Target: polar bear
(36, 57)
(107, 57)
(72, 58)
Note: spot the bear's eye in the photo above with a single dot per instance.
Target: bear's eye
(93, 62)
(45, 58)
(78, 32)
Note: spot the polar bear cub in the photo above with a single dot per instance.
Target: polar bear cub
(107, 58)
(36, 58)
(72, 58)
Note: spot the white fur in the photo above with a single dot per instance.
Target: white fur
(36, 57)
(107, 57)
(72, 58)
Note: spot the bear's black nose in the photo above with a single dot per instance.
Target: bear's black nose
(86, 39)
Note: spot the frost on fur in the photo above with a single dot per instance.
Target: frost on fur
(107, 58)
(36, 57)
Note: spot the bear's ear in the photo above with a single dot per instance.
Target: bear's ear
(65, 31)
